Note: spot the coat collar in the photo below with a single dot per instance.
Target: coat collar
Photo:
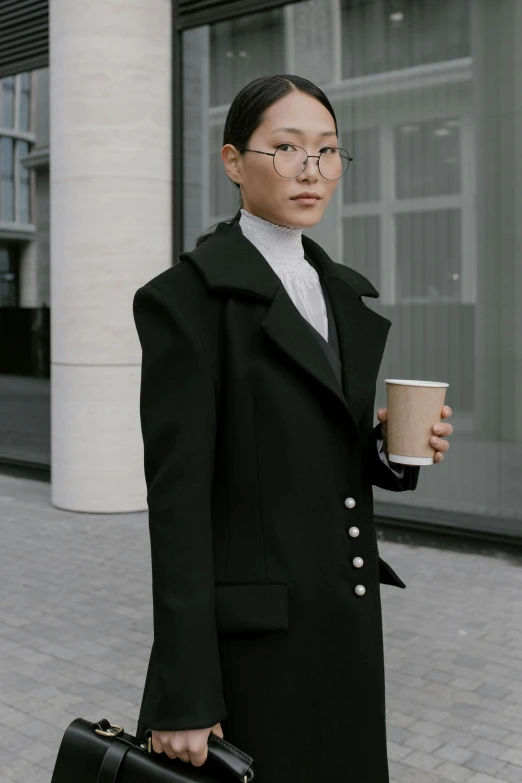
(229, 261)
(218, 260)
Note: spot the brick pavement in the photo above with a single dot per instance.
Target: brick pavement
(75, 631)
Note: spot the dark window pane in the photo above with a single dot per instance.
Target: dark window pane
(24, 119)
(5, 264)
(243, 49)
(8, 87)
(361, 183)
(385, 35)
(7, 277)
(427, 158)
(429, 256)
(361, 243)
(23, 184)
(7, 178)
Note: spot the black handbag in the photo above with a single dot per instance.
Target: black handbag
(104, 753)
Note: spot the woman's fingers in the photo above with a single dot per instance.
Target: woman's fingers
(443, 429)
(188, 745)
(181, 754)
(198, 753)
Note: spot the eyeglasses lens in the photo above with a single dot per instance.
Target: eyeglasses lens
(289, 161)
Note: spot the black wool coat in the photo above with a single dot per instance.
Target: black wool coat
(260, 457)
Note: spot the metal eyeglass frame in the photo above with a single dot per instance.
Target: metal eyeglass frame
(288, 144)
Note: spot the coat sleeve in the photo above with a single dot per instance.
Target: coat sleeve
(178, 423)
(382, 476)
(398, 471)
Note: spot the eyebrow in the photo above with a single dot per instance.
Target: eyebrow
(301, 133)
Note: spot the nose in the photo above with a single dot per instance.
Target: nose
(311, 169)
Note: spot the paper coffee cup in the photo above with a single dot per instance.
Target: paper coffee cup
(413, 408)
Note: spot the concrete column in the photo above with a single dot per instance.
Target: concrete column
(110, 180)
(497, 69)
(28, 275)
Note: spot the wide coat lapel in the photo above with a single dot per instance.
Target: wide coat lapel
(229, 261)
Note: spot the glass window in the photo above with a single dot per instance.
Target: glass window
(25, 102)
(428, 256)
(7, 277)
(426, 210)
(427, 158)
(8, 92)
(362, 181)
(23, 183)
(7, 178)
(361, 240)
(386, 35)
(241, 49)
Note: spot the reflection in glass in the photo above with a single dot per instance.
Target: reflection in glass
(243, 49)
(429, 267)
(7, 277)
(363, 183)
(8, 92)
(7, 178)
(361, 240)
(427, 156)
(25, 102)
(23, 184)
(426, 211)
(386, 35)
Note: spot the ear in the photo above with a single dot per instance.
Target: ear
(231, 158)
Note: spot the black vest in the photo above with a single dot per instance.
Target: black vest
(330, 347)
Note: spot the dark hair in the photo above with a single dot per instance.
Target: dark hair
(247, 110)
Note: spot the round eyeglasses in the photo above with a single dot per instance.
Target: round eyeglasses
(332, 162)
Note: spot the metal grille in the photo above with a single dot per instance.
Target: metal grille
(24, 35)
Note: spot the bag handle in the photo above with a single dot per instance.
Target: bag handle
(237, 762)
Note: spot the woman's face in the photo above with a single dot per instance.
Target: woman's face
(265, 193)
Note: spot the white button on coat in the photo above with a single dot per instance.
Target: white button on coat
(357, 561)
(360, 589)
(349, 502)
(353, 532)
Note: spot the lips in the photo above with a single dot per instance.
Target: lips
(306, 195)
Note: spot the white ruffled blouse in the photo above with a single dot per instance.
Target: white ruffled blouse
(282, 247)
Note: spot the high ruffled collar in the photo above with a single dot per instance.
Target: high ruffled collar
(282, 246)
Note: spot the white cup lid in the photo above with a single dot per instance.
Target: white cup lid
(415, 383)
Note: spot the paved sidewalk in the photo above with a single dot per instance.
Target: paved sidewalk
(75, 633)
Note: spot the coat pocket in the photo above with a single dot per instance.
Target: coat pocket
(251, 607)
(387, 575)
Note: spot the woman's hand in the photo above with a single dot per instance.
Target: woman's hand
(439, 429)
(187, 745)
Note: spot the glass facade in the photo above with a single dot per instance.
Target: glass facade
(24, 270)
(428, 211)
(15, 143)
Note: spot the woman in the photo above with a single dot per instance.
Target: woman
(259, 370)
